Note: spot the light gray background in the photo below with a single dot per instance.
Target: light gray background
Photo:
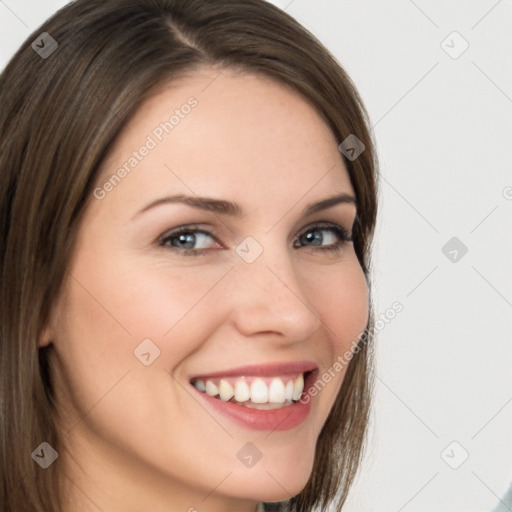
(443, 127)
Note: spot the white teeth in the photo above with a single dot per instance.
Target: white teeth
(276, 393)
(289, 390)
(267, 406)
(298, 387)
(211, 388)
(226, 390)
(259, 392)
(199, 384)
(242, 392)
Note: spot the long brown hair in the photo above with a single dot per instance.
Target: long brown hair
(59, 117)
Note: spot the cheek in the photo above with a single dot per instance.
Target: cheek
(129, 298)
(104, 314)
(338, 294)
(174, 306)
(340, 297)
(108, 313)
(107, 310)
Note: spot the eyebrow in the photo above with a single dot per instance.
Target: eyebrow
(327, 203)
(230, 208)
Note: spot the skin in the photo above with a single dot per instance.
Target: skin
(136, 438)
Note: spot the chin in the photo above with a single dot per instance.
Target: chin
(274, 481)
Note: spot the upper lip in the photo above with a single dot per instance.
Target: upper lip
(262, 370)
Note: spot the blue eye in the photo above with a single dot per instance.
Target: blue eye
(330, 237)
(190, 240)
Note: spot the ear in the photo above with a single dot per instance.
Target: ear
(45, 338)
(47, 334)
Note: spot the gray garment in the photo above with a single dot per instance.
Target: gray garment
(505, 504)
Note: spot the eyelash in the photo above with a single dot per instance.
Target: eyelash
(340, 232)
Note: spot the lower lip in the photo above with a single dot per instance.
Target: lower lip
(284, 418)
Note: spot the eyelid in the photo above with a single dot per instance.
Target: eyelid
(327, 225)
(194, 228)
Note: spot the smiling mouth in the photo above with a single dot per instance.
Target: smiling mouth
(256, 392)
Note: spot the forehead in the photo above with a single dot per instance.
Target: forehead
(216, 132)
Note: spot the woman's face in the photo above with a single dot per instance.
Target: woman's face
(213, 251)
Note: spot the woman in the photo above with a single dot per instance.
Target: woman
(188, 196)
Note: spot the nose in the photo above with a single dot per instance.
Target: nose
(268, 298)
